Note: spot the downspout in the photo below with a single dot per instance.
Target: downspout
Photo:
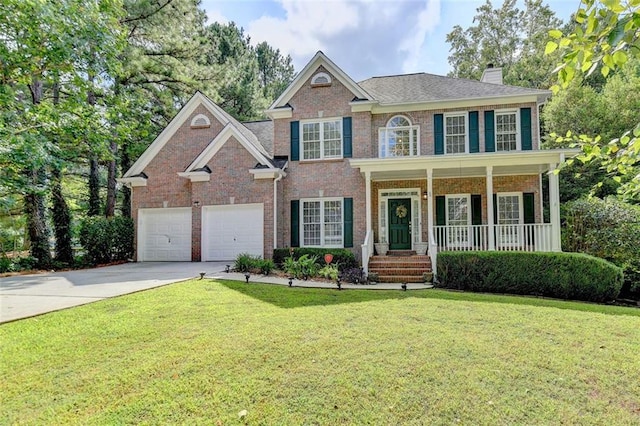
(275, 209)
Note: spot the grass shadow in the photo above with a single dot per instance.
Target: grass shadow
(299, 297)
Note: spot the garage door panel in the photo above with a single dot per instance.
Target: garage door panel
(164, 234)
(232, 229)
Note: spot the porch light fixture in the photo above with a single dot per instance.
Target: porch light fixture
(247, 276)
(425, 195)
(196, 203)
(226, 268)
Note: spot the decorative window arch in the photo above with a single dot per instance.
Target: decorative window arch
(200, 121)
(399, 138)
(321, 79)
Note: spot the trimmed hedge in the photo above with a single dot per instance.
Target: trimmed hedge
(573, 276)
(107, 239)
(343, 257)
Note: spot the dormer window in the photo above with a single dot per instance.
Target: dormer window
(321, 79)
(200, 121)
(398, 139)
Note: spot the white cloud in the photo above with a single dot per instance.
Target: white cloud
(216, 16)
(365, 38)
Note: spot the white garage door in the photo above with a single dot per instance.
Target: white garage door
(232, 229)
(164, 234)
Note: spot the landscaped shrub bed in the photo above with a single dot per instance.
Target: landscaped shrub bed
(572, 276)
(107, 239)
(342, 257)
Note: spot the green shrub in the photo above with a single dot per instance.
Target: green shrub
(6, 264)
(304, 267)
(572, 276)
(246, 262)
(329, 272)
(344, 258)
(266, 266)
(107, 239)
(26, 263)
(609, 229)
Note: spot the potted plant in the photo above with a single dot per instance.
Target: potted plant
(421, 247)
(382, 247)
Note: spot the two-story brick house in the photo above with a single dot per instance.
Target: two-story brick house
(407, 161)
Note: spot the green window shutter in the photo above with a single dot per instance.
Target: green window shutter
(495, 209)
(474, 132)
(525, 129)
(348, 222)
(489, 132)
(295, 141)
(438, 134)
(476, 209)
(295, 223)
(441, 212)
(347, 149)
(528, 202)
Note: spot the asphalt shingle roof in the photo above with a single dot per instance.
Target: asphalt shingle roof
(263, 132)
(423, 87)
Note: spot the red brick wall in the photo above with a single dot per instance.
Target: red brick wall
(230, 178)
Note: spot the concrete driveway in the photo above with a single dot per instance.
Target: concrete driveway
(24, 296)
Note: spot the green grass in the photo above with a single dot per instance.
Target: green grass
(200, 352)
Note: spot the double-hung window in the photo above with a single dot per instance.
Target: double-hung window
(509, 218)
(398, 139)
(322, 223)
(456, 133)
(507, 131)
(321, 139)
(458, 219)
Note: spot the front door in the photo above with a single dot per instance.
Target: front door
(400, 224)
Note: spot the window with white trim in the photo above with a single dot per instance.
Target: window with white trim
(507, 135)
(510, 215)
(321, 79)
(456, 134)
(321, 139)
(510, 208)
(398, 139)
(458, 220)
(322, 223)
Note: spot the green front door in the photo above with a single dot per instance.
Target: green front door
(399, 224)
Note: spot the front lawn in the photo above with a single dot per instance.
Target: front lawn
(203, 352)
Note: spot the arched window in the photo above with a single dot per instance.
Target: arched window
(321, 79)
(200, 121)
(398, 139)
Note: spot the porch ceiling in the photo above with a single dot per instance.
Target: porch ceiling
(462, 165)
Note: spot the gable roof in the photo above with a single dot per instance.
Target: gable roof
(263, 130)
(218, 142)
(423, 87)
(319, 59)
(196, 100)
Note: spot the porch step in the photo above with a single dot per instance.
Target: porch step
(401, 253)
(406, 268)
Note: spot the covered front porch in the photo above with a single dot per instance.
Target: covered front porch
(489, 201)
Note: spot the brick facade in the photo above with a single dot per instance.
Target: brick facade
(232, 183)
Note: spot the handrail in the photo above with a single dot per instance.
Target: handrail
(367, 250)
(433, 253)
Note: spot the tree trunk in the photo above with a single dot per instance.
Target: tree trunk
(61, 219)
(125, 163)
(111, 180)
(34, 202)
(34, 206)
(94, 187)
(60, 210)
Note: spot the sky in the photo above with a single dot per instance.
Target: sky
(365, 38)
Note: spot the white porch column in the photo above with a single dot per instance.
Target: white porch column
(367, 177)
(554, 208)
(430, 206)
(490, 207)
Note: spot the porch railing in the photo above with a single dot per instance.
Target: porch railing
(367, 250)
(524, 237)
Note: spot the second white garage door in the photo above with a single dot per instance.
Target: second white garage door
(232, 229)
